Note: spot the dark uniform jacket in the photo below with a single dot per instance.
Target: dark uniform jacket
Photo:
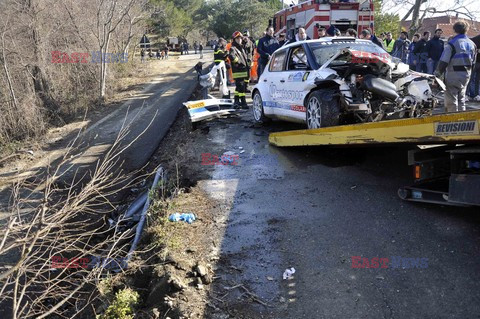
(419, 52)
(249, 48)
(375, 40)
(266, 46)
(476, 40)
(239, 60)
(434, 48)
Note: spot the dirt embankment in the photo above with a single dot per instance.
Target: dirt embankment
(175, 279)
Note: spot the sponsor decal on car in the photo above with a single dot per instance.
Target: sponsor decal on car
(297, 77)
(285, 106)
(305, 76)
(298, 108)
(361, 57)
(290, 95)
(456, 128)
(195, 105)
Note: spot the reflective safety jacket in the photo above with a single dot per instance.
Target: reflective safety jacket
(219, 54)
(239, 61)
(388, 46)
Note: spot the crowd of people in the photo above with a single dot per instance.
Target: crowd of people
(455, 60)
(197, 47)
(158, 54)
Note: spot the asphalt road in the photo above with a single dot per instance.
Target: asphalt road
(314, 209)
(146, 118)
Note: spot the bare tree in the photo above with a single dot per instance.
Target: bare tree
(421, 9)
(109, 14)
(132, 25)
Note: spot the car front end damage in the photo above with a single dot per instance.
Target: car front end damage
(374, 87)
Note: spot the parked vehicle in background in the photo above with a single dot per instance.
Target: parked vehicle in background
(173, 44)
(311, 15)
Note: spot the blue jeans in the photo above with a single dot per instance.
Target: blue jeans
(422, 66)
(431, 66)
(474, 84)
(260, 67)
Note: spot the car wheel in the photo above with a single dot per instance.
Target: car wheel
(257, 108)
(322, 109)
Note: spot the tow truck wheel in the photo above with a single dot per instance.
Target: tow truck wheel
(322, 109)
(257, 107)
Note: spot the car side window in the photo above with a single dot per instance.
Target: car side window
(278, 61)
(297, 59)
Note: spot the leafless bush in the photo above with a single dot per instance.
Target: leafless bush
(69, 223)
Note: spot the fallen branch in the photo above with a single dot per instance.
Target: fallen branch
(249, 293)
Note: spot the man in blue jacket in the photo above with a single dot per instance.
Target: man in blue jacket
(400, 48)
(434, 49)
(457, 62)
(266, 46)
(412, 57)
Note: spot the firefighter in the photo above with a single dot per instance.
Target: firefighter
(457, 59)
(219, 51)
(239, 61)
(248, 46)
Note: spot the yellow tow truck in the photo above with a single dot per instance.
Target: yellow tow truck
(448, 173)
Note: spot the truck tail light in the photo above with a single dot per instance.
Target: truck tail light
(417, 172)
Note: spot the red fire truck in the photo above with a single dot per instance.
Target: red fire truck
(315, 13)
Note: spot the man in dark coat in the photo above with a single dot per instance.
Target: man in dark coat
(266, 46)
(420, 53)
(474, 91)
(434, 49)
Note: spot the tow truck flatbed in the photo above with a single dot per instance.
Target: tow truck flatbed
(448, 128)
(446, 173)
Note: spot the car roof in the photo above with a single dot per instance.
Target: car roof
(326, 39)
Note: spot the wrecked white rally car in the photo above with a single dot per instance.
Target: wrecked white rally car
(341, 80)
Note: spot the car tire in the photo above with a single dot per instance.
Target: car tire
(322, 109)
(257, 108)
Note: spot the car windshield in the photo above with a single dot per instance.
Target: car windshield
(323, 51)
